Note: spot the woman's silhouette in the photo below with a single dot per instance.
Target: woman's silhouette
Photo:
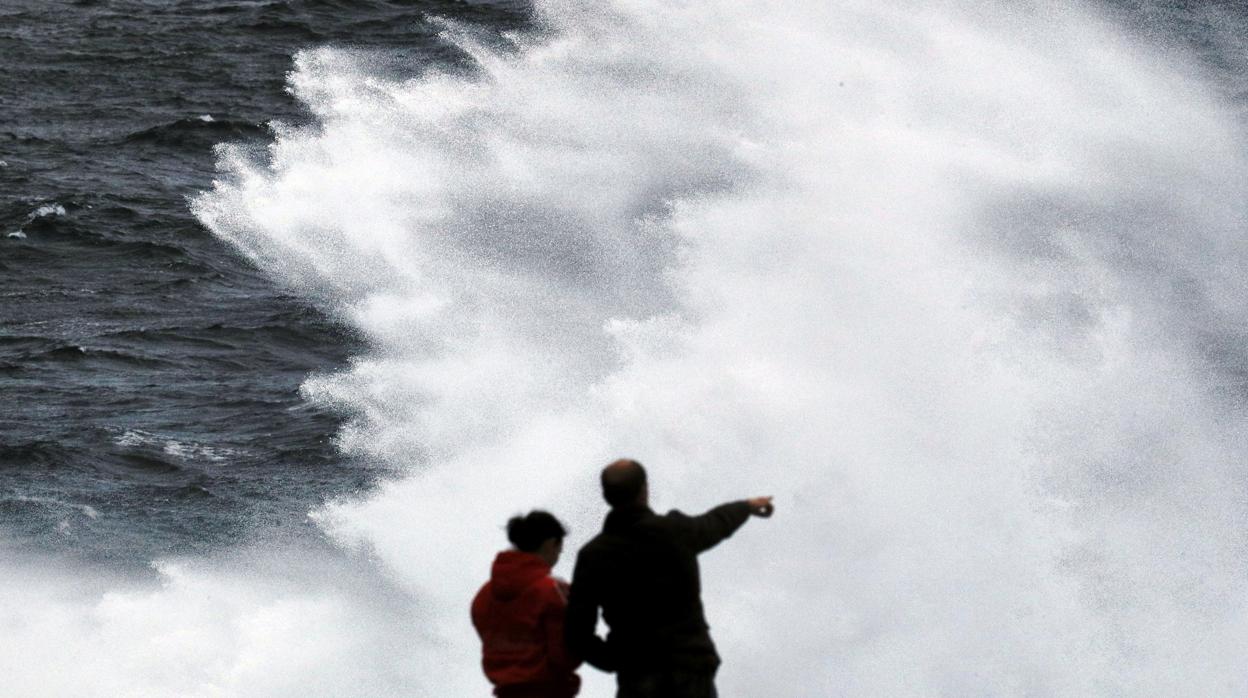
(519, 614)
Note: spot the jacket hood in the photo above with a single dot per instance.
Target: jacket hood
(514, 571)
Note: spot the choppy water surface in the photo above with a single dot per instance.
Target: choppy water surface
(960, 283)
(150, 376)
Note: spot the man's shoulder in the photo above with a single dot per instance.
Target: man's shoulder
(644, 529)
(600, 542)
(606, 542)
(673, 520)
(591, 559)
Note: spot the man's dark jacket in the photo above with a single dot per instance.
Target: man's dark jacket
(642, 570)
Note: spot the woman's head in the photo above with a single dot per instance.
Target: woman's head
(537, 532)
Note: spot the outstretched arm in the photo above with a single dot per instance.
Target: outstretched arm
(582, 621)
(706, 531)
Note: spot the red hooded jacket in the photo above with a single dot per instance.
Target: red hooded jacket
(519, 616)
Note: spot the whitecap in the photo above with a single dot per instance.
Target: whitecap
(48, 210)
(178, 448)
(134, 437)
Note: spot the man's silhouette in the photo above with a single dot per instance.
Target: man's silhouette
(642, 571)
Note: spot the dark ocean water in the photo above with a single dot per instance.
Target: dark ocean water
(149, 375)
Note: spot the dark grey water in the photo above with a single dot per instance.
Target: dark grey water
(148, 375)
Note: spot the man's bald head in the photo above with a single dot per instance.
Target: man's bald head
(624, 483)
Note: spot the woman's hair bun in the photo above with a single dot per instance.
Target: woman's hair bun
(528, 532)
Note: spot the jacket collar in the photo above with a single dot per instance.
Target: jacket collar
(620, 519)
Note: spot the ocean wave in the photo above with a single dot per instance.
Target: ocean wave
(180, 449)
(902, 263)
(45, 216)
(97, 356)
(61, 229)
(146, 249)
(39, 502)
(40, 217)
(20, 457)
(184, 337)
(145, 466)
(46, 211)
(22, 137)
(24, 343)
(197, 131)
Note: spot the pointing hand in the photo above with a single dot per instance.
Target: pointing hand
(760, 506)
